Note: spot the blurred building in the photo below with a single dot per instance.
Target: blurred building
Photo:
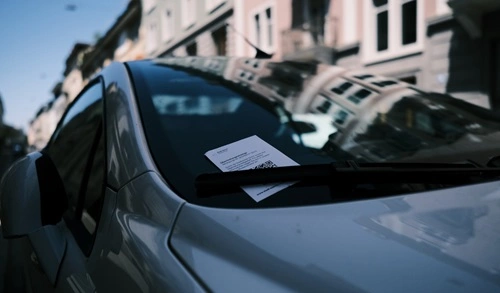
(45, 121)
(124, 41)
(181, 28)
(475, 64)
(121, 42)
(312, 34)
(73, 79)
(12, 143)
(450, 46)
(214, 27)
(43, 125)
(441, 45)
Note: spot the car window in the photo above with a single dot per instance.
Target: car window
(93, 195)
(77, 151)
(188, 112)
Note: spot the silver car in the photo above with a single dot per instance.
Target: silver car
(247, 175)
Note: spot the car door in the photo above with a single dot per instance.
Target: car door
(77, 150)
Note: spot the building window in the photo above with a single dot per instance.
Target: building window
(269, 24)
(359, 96)
(317, 11)
(341, 89)
(393, 28)
(382, 25)
(219, 37)
(324, 107)
(409, 21)
(258, 31)
(188, 8)
(192, 49)
(167, 26)
(409, 79)
(211, 5)
(363, 76)
(264, 28)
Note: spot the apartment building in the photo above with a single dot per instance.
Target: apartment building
(311, 31)
(448, 46)
(123, 41)
(43, 125)
(73, 80)
(187, 28)
(215, 27)
(45, 121)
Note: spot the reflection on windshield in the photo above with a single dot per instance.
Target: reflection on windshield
(312, 130)
(358, 116)
(195, 105)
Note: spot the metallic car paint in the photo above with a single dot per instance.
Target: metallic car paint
(21, 194)
(371, 245)
(128, 154)
(134, 255)
(131, 252)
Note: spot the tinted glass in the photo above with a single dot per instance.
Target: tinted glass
(364, 76)
(94, 192)
(382, 31)
(187, 112)
(71, 145)
(340, 90)
(409, 15)
(358, 96)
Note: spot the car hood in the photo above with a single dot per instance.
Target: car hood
(439, 241)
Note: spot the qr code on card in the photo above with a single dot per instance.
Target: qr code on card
(266, 165)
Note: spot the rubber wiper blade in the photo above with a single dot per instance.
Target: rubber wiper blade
(348, 172)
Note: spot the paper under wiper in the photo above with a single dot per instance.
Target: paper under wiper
(252, 153)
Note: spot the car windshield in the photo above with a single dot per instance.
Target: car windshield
(191, 106)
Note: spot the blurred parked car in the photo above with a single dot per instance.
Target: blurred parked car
(394, 189)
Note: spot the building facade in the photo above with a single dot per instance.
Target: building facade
(73, 80)
(123, 41)
(450, 46)
(447, 46)
(188, 28)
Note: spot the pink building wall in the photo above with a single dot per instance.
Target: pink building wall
(282, 20)
(337, 6)
(335, 22)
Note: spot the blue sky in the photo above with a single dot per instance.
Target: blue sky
(36, 37)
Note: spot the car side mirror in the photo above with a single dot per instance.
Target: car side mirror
(32, 201)
(31, 196)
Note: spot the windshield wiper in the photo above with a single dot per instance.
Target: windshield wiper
(349, 172)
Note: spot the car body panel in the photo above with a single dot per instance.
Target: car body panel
(23, 181)
(133, 253)
(128, 154)
(439, 241)
(127, 257)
